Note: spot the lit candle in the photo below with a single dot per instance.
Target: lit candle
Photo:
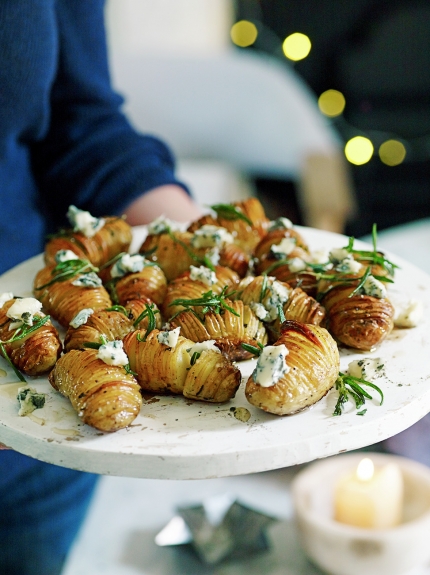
(370, 498)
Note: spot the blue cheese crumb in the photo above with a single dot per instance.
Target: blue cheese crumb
(280, 224)
(84, 222)
(209, 236)
(259, 310)
(127, 264)
(284, 248)
(169, 338)
(203, 274)
(161, 225)
(89, 280)
(112, 353)
(271, 365)
(367, 368)
(296, 265)
(29, 400)
(349, 266)
(65, 256)
(81, 317)
(23, 311)
(374, 288)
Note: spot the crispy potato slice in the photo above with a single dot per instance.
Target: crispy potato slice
(110, 324)
(151, 282)
(104, 396)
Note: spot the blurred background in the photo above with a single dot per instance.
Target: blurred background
(318, 108)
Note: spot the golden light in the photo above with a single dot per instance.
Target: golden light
(331, 103)
(296, 46)
(359, 150)
(392, 152)
(243, 33)
(365, 469)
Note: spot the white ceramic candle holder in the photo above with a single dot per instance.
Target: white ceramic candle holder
(340, 549)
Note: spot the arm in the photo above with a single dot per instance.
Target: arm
(91, 156)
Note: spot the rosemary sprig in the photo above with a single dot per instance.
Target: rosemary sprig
(67, 270)
(21, 333)
(263, 288)
(349, 386)
(255, 350)
(230, 212)
(195, 357)
(375, 257)
(148, 312)
(204, 261)
(208, 302)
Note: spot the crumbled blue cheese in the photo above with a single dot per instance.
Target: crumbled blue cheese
(271, 365)
(81, 317)
(284, 248)
(277, 295)
(367, 368)
(29, 400)
(169, 338)
(127, 264)
(23, 311)
(90, 280)
(112, 353)
(4, 297)
(319, 256)
(259, 310)
(296, 265)
(349, 265)
(203, 346)
(65, 256)
(337, 255)
(209, 236)
(161, 225)
(84, 222)
(280, 224)
(374, 287)
(203, 274)
(407, 311)
(213, 256)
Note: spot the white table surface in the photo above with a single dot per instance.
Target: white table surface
(126, 514)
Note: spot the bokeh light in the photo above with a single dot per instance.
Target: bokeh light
(392, 152)
(296, 46)
(243, 33)
(331, 103)
(359, 150)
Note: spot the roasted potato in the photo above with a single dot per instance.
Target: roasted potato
(104, 396)
(34, 354)
(312, 366)
(63, 300)
(113, 238)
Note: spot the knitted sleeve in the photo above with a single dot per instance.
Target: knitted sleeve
(91, 156)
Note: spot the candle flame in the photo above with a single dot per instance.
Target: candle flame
(365, 469)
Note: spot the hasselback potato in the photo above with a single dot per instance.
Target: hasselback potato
(312, 366)
(247, 231)
(36, 353)
(186, 287)
(150, 282)
(229, 329)
(63, 300)
(359, 321)
(159, 368)
(104, 396)
(113, 238)
(212, 378)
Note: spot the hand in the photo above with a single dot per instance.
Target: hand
(171, 201)
(3, 446)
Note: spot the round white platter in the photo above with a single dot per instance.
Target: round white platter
(175, 438)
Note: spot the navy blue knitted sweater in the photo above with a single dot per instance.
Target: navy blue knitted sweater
(63, 138)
